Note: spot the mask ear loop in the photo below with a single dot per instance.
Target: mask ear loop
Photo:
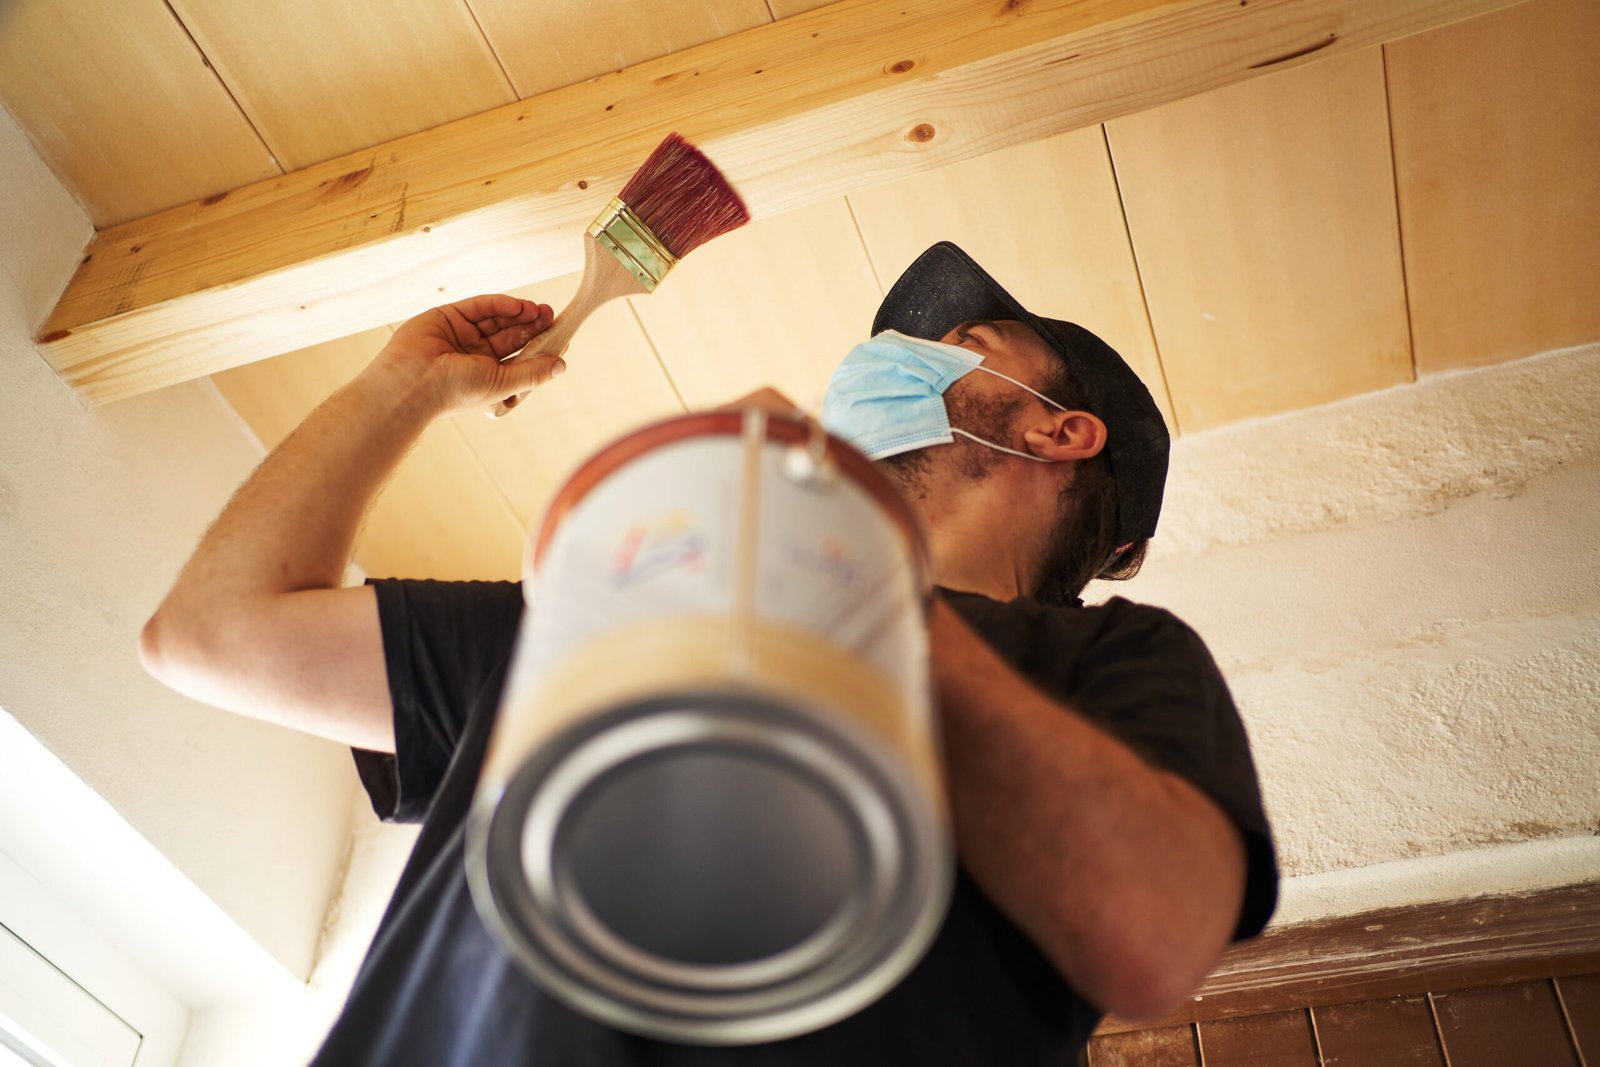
(1001, 448)
(1019, 385)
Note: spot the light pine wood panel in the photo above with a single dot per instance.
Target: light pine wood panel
(440, 516)
(785, 8)
(613, 383)
(1044, 219)
(777, 303)
(1263, 220)
(1497, 145)
(122, 107)
(321, 79)
(558, 42)
(797, 111)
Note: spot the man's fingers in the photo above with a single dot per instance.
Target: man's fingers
(492, 306)
(520, 375)
(503, 339)
(766, 397)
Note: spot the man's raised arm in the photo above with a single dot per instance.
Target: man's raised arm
(256, 622)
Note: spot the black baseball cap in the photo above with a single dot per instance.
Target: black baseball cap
(945, 287)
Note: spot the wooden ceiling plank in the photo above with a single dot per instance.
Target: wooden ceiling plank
(439, 516)
(370, 71)
(613, 384)
(1049, 213)
(795, 111)
(1497, 142)
(1263, 219)
(784, 9)
(777, 303)
(547, 45)
(118, 111)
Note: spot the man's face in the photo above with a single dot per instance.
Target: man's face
(1006, 346)
(983, 404)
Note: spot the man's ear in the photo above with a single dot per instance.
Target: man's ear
(1070, 435)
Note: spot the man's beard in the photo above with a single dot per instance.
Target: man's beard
(988, 417)
(992, 419)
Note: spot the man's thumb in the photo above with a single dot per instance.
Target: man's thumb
(524, 374)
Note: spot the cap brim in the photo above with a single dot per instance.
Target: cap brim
(943, 289)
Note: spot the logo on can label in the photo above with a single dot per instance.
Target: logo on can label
(648, 549)
(828, 558)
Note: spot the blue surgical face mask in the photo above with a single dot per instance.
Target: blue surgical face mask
(887, 397)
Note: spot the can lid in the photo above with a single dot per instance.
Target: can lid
(712, 867)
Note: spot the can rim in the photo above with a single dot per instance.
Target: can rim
(780, 428)
(803, 1000)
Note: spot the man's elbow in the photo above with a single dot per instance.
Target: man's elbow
(1142, 977)
(1145, 995)
(170, 650)
(152, 655)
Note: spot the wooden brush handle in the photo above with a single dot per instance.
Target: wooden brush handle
(604, 278)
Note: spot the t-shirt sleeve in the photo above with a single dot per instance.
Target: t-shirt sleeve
(1149, 680)
(443, 642)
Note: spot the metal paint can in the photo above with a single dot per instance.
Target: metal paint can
(712, 807)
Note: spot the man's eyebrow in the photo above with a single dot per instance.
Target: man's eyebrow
(963, 327)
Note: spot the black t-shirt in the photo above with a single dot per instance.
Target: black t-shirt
(437, 990)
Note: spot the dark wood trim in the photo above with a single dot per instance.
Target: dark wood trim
(1395, 951)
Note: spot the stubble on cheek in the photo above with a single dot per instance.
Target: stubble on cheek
(909, 472)
(990, 418)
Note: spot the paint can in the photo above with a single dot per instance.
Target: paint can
(712, 807)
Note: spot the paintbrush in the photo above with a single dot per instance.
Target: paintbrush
(675, 202)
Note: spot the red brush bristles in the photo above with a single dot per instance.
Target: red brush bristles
(683, 197)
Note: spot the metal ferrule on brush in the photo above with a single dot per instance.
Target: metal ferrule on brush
(626, 236)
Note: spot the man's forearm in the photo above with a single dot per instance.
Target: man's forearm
(1128, 878)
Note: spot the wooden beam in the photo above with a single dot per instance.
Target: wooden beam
(1396, 951)
(848, 95)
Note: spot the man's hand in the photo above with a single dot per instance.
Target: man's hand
(452, 355)
(766, 398)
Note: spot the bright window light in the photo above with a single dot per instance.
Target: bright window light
(48, 1020)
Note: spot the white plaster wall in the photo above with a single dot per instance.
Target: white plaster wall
(1404, 592)
(98, 509)
(270, 1031)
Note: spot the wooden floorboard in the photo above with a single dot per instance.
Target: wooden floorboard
(1282, 1039)
(1517, 1025)
(1393, 1032)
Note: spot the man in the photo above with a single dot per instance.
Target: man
(1107, 816)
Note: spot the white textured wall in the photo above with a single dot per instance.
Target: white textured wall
(1404, 591)
(98, 509)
